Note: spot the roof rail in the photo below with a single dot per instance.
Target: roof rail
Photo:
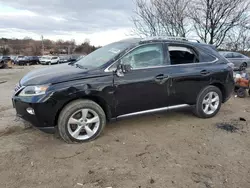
(169, 38)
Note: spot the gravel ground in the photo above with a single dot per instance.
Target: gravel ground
(171, 149)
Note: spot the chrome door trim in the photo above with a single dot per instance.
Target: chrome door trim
(154, 110)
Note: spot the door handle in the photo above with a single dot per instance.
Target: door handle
(204, 72)
(161, 77)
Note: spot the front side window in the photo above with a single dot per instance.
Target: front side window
(182, 55)
(145, 57)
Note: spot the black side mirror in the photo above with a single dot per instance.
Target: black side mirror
(124, 68)
(121, 69)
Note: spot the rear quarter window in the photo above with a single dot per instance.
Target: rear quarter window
(208, 54)
(208, 58)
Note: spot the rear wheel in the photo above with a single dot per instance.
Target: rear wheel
(243, 66)
(81, 121)
(1, 64)
(208, 102)
(241, 92)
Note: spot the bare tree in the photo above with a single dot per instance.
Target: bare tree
(213, 19)
(160, 17)
(238, 39)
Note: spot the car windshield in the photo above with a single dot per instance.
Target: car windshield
(102, 55)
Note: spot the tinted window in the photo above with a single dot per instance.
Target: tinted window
(54, 57)
(145, 56)
(182, 55)
(237, 55)
(207, 58)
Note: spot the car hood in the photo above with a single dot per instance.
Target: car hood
(57, 74)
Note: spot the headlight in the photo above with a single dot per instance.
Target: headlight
(34, 90)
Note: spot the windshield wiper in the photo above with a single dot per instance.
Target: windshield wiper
(79, 66)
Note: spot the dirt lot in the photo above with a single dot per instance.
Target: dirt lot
(171, 149)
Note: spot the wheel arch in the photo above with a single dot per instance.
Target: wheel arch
(222, 89)
(99, 100)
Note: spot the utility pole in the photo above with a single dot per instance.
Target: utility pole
(69, 50)
(42, 45)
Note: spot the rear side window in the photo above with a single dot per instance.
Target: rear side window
(207, 58)
(182, 55)
(237, 55)
(54, 57)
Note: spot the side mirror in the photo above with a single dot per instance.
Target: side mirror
(121, 69)
(124, 68)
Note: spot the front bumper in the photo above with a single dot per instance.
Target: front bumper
(45, 62)
(43, 117)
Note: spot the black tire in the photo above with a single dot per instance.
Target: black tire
(73, 107)
(198, 108)
(2, 64)
(243, 66)
(241, 93)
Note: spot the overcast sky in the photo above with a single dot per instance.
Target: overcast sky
(101, 21)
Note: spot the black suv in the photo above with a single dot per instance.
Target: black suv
(125, 78)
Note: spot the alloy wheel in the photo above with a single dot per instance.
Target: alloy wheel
(210, 103)
(83, 124)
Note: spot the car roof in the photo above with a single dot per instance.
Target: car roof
(167, 39)
(226, 52)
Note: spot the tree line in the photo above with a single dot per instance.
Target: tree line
(223, 23)
(30, 47)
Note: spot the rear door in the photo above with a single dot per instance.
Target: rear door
(191, 71)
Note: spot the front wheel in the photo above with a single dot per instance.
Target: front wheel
(208, 102)
(81, 121)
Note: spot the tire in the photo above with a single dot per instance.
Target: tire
(243, 66)
(241, 93)
(71, 111)
(199, 110)
(1, 64)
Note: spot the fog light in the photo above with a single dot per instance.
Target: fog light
(30, 111)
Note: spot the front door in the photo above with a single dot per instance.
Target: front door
(145, 87)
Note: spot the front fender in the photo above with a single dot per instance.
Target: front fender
(101, 90)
